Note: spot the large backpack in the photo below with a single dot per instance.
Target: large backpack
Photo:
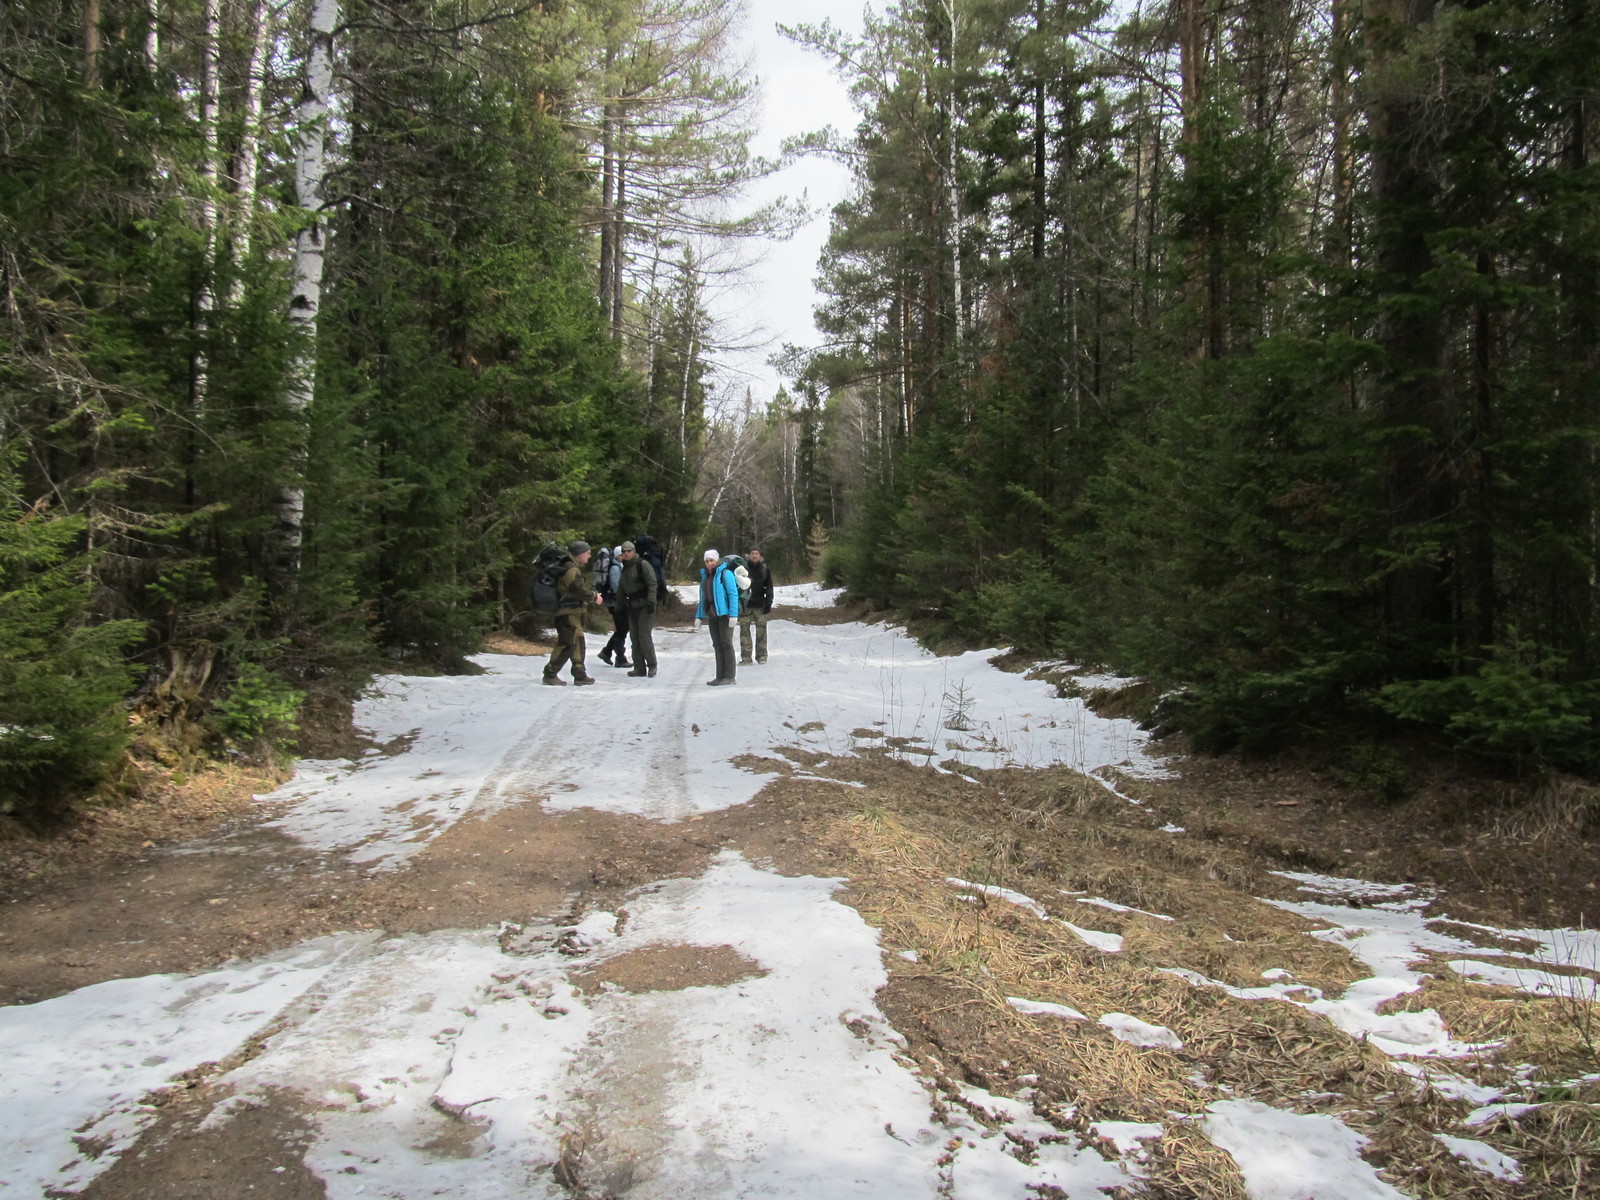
(602, 571)
(741, 574)
(650, 550)
(547, 572)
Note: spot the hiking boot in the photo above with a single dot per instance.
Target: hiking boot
(637, 672)
(745, 662)
(651, 672)
(621, 662)
(605, 657)
(580, 680)
(718, 682)
(761, 660)
(554, 681)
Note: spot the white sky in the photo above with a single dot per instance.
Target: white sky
(799, 94)
(789, 1083)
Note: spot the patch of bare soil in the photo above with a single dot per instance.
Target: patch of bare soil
(1494, 851)
(668, 969)
(502, 642)
(258, 1152)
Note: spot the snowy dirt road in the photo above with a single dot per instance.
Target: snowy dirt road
(553, 943)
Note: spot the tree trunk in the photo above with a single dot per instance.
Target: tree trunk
(247, 162)
(205, 297)
(619, 249)
(309, 254)
(1410, 333)
(607, 198)
(1193, 27)
(91, 43)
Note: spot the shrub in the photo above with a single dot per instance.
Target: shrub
(258, 707)
(62, 673)
(1515, 706)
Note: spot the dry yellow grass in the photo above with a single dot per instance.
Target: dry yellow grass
(1047, 836)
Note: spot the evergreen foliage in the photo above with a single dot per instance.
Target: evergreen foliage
(1283, 397)
(62, 674)
(232, 500)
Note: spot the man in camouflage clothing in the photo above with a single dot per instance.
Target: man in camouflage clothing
(573, 588)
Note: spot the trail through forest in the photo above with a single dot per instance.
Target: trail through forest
(873, 923)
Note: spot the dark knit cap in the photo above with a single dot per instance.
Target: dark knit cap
(577, 548)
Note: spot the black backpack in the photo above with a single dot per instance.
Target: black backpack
(650, 550)
(548, 568)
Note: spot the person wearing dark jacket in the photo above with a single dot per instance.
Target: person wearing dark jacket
(618, 642)
(636, 594)
(575, 592)
(758, 610)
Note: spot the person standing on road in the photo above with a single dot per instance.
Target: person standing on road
(757, 611)
(573, 588)
(618, 642)
(719, 608)
(636, 596)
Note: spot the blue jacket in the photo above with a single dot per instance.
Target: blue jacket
(724, 593)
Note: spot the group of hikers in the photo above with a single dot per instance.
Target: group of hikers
(630, 581)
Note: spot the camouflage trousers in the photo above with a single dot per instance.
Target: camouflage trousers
(569, 646)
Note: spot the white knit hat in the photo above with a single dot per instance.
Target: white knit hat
(712, 554)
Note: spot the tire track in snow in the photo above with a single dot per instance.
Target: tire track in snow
(560, 761)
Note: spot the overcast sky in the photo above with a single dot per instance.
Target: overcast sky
(799, 93)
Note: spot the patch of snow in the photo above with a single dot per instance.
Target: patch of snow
(1113, 906)
(81, 1066)
(1293, 1156)
(1129, 1136)
(1355, 889)
(1482, 1156)
(1140, 1033)
(1111, 943)
(479, 743)
(1043, 1008)
(1447, 1083)
(1528, 979)
(1000, 893)
(1493, 1112)
(1391, 935)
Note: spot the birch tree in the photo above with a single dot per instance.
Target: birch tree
(310, 174)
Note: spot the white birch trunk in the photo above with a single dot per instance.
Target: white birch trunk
(730, 467)
(310, 171)
(211, 176)
(152, 38)
(247, 165)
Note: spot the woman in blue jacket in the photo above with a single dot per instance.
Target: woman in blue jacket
(719, 608)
